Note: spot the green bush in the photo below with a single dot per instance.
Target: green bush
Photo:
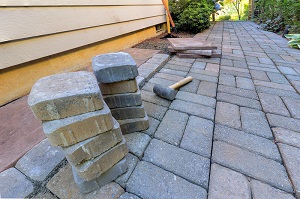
(191, 15)
(224, 18)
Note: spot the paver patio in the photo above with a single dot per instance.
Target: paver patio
(234, 132)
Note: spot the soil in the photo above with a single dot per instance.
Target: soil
(160, 42)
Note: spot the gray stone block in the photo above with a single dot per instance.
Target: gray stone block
(225, 183)
(153, 124)
(95, 167)
(94, 146)
(287, 137)
(107, 177)
(153, 98)
(137, 143)
(128, 112)
(185, 164)
(127, 195)
(64, 95)
(123, 100)
(71, 130)
(114, 67)
(293, 105)
(238, 100)
(207, 88)
(13, 184)
(149, 181)
(238, 91)
(228, 114)
(199, 99)
(273, 104)
(131, 162)
(154, 110)
(129, 86)
(40, 161)
(133, 125)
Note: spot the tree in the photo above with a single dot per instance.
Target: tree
(237, 6)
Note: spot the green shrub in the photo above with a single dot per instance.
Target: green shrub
(294, 40)
(224, 18)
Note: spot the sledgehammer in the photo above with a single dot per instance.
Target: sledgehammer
(170, 92)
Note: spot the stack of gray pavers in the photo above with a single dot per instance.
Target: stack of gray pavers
(76, 118)
(116, 74)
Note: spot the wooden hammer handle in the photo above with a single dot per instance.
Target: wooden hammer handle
(182, 82)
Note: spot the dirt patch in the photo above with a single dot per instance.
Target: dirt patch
(160, 42)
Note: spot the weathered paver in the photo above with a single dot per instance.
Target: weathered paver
(127, 195)
(149, 181)
(129, 86)
(279, 92)
(131, 162)
(224, 183)
(154, 110)
(207, 88)
(173, 72)
(287, 137)
(284, 122)
(259, 75)
(293, 105)
(228, 114)
(238, 91)
(227, 80)
(277, 78)
(137, 143)
(254, 165)
(191, 87)
(273, 104)
(238, 100)
(244, 83)
(153, 124)
(274, 85)
(199, 99)
(123, 100)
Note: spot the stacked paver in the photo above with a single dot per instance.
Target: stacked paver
(116, 73)
(76, 118)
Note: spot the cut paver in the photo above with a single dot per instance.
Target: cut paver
(128, 112)
(149, 181)
(264, 191)
(170, 131)
(284, 122)
(154, 110)
(133, 125)
(253, 143)
(207, 88)
(13, 184)
(153, 124)
(273, 104)
(185, 164)
(238, 91)
(224, 183)
(129, 86)
(123, 100)
(94, 146)
(197, 136)
(199, 99)
(193, 109)
(293, 105)
(291, 159)
(114, 67)
(228, 114)
(252, 165)
(40, 161)
(238, 100)
(71, 130)
(287, 137)
(137, 143)
(254, 121)
(78, 90)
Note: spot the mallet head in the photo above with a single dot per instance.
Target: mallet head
(164, 92)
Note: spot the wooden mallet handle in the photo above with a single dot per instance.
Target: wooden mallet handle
(181, 82)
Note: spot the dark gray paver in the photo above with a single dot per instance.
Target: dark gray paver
(284, 122)
(273, 104)
(13, 184)
(127, 195)
(207, 88)
(198, 136)
(191, 87)
(263, 191)
(227, 184)
(255, 122)
(177, 67)
(291, 159)
(227, 80)
(123, 100)
(228, 114)
(153, 124)
(137, 143)
(172, 127)
(238, 100)
(149, 181)
(168, 76)
(238, 91)
(131, 162)
(199, 99)
(38, 163)
(180, 63)
(193, 109)
(235, 73)
(253, 143)
(255, 67)
(293, 105)
(154, 110)
(252, 165)
(277, 78)
(205, 72)
(287, 137)
(149, 96)
(173, 72)
(161, 81)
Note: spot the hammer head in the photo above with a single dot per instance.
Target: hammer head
(164, 92)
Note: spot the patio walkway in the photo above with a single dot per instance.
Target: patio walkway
(233, 132)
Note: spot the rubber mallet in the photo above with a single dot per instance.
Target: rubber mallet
(170, 92)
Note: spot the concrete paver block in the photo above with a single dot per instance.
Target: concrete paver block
(273, 104)
(71, 130)
(107, 177)
(114, 67)
(293, 105)
(199, 99)
(133, 125)
(93, 168)
(129, 86)
(228, 114)
(238, 100)
(224, 183)
(238, 92)
(154, 110)
(127, 195)
(149, 181)
(153, 98)
(207, 88)
(153, 124)
(128, 112)
(94, 146)
(64, 95)
(123, 100)
(13, 184)
(137, 143)
(40, 161)
(287, 137)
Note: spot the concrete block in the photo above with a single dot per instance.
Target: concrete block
(71, 130)
(107, 177)
(114, 67)
(94, 146)
(93, 168)
(128, 112)
(133, 125)
(64, 95)
(131, 161)
(137, 143)
(123, 100)
(129, 86)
